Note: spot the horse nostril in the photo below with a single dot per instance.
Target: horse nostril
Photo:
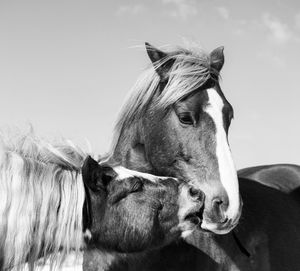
(224, 220)
(220, 206)
(220, 203)
(196, 193)
(217, 202)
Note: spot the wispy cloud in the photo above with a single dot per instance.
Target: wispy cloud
(279, 31)
(182, 9)
(223, 12)
(130, 9)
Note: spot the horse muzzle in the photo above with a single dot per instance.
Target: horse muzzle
(191, 203)
(218, 220)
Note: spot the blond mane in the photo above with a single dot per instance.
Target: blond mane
(42, 197)
(190, 71)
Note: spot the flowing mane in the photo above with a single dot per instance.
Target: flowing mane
(42, 196)
(191, 69)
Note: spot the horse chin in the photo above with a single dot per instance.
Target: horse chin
(219, 228)
(191, 223)
(188, 230)
(216, 228)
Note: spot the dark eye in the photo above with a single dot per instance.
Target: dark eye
(186, 118)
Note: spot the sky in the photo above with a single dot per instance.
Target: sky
(66, 66)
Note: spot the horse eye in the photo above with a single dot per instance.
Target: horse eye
(186, 119)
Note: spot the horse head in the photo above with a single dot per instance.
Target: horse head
(176, 123)
(129, 211)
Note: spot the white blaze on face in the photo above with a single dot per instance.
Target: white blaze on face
(125, 173)
(227, 171)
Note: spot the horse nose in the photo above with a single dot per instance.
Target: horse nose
(220, 206)
(196, 194)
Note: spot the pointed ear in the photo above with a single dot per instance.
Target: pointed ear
(217, 58)
(96, 176)
(156, 56)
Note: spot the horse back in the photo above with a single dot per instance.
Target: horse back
(283, 177)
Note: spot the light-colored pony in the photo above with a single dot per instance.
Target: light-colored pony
(42, 195)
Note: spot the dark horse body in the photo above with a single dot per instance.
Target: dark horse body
(284, 177)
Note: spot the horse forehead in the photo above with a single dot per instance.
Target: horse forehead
(214, 102)
(202, 100)
(194, 102)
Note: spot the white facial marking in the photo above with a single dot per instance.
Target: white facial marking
(124, 173)
(228, 174)
(87, 234)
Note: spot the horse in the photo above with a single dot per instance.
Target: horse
(175, 123)
(56, 199)
(284, 177)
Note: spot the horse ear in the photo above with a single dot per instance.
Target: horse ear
(217, 58)
(156, 56)
(96, 176)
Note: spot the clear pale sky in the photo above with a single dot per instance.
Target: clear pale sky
(66, 66)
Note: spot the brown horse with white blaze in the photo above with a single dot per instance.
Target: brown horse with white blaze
(175, 123)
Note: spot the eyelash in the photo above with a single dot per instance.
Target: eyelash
(138, 186)
(186, 119)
